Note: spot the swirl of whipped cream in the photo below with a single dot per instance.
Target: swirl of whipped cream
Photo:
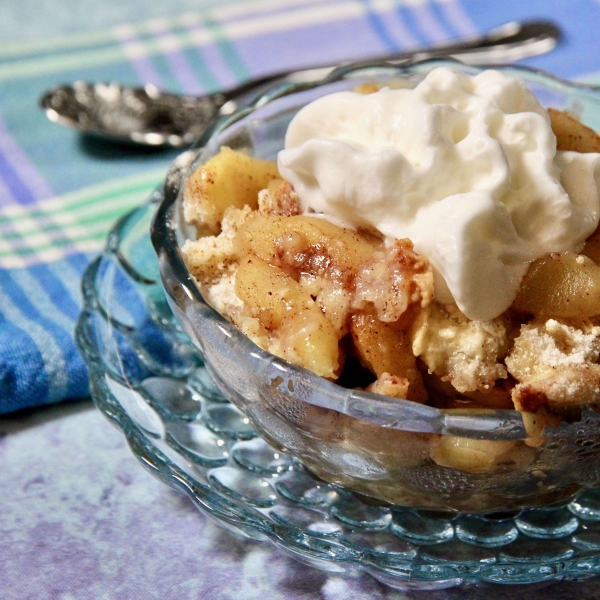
(466, 167)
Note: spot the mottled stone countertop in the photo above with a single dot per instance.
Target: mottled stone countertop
(81, 519)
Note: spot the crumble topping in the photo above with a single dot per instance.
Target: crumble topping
(555, 364)
(465, 353)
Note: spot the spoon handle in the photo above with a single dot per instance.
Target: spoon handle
(507, 43)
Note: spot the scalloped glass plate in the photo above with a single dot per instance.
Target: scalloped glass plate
(151, 382)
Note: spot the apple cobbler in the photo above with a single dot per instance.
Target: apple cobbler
(334, 299)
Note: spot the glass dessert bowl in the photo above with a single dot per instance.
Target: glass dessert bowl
(393, 450)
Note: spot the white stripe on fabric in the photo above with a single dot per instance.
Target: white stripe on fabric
(277, 22)
(40, 246)
(36, 237)
(223, 13)
(405, 36)
(103, 209)
(282, 22)
(204, 35)
(70, 200)
(43, 302)
(320, 14)
(19, 245)
(56, 367)
(397, 31)
(53, 254)
(428, 23)
(134, 50)
(383, 5)
(231, 10)
(173, 46)
(70, 231)
(132, 47)
(69, 276)
(91, 38)
(74, 40)
(458, 17)
(40, 235)
(312, 15)
(167, 41)
(60, 63)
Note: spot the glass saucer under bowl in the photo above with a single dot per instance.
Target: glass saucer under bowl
(150, 381)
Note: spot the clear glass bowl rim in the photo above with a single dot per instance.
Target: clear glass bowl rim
(401, 414)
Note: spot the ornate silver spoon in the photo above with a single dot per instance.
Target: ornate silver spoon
(149, 116)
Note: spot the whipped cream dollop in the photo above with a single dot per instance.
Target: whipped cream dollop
(466, 167)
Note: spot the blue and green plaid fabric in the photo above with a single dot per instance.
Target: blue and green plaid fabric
(59, 192)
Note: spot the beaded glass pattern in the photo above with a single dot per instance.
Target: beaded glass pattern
(151, 382)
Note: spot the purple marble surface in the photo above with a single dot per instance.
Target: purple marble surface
(80, 519)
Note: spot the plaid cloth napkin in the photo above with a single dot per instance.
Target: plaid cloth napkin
(59, 192)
